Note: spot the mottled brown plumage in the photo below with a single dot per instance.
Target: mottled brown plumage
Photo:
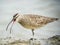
(31, 21)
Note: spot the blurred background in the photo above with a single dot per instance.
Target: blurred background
(49, 8)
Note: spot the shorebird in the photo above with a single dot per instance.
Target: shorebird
(31, 21)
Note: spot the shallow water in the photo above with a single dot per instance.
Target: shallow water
(12, 41)
(55, 40)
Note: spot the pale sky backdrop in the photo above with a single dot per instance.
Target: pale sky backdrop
(49, 8)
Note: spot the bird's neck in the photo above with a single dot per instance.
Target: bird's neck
(19, 18)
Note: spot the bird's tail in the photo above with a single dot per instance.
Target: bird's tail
(51, 20)
(55, 19)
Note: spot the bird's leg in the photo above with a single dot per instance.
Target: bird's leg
(32, 39)
(33, 32)
(33, 36)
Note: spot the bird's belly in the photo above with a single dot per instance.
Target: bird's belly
(29, 26)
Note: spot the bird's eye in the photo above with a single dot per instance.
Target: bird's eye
(15, 15)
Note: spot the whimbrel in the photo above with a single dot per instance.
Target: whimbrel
(31, 21)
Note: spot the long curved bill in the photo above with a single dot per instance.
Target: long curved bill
(11, 25)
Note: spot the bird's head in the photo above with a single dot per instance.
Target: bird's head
(15, 16)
